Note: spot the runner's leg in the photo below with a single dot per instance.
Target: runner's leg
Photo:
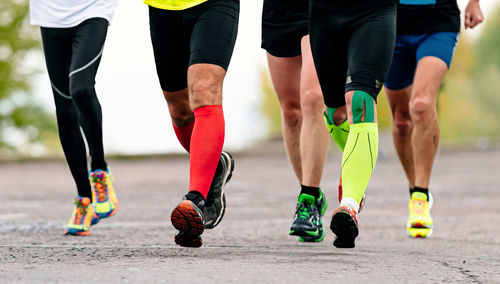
(286, 77)
(402, 129)
(88, 46)
(425, 137)
(314, 137)
(57, 45)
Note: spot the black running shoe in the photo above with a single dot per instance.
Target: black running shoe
(188, 218)
(344, 225)
(321, 205)
(306, 221)
(215, 206)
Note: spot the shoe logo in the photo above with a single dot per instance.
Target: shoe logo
(313, 233)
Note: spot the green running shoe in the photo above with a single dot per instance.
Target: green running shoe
(321, 205)
(306, 221)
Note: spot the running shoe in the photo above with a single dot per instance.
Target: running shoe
(188, 218)
(82, 218)
(344, 225)
(321, 205)
(419, 223)
(215, 206)
(361, 204)
(103, 193)
(186, 240)
(316, 239)
(307, 220)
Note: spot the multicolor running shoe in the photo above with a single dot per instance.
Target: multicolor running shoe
(419, 223)
(188, 218)
(321, 205)
(103, 193)
(307, 219)
(215, 205)
(344, 225)
(82, 218)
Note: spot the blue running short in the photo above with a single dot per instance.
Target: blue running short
(411, 48)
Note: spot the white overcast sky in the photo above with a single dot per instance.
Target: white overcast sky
(135, 115)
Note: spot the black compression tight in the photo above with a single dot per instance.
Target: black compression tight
(72, 56)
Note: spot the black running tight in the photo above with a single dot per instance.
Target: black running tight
(72, 56)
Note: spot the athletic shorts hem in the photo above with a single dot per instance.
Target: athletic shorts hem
(397, 87)
(281, 54)
(209, 61)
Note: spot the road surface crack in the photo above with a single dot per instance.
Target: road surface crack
(465, 272)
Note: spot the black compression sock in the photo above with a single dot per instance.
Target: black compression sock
(420, 189)
(314, 191)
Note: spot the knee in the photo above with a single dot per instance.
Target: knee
(291, 113)
(181, 117)
(81, 92)
(402, 125)
(205, 91)
(178, 107)
(312, 101)
(422, 108)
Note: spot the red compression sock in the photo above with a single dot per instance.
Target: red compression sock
(206, 147)
(183, 134)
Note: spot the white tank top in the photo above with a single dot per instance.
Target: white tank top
(69, 13)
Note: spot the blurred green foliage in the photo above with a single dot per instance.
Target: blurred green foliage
(468, 102)
(24, 124)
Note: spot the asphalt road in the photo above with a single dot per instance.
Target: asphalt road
(251, 244)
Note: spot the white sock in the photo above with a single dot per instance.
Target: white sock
(351, 203)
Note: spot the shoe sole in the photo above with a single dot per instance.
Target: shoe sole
(419, 233)
(304, 234)
(76, 233)
(227, 178)
(310, 239)
(186, 219)
(185, 240)
(345, 228)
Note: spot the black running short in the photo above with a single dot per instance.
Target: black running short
(352, 49)
(205, 33)
(284, 24)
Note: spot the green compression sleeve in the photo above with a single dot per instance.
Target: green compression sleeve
(339, 133)
(359, 159)
(363, 107)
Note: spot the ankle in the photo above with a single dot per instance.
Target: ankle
(351, 203)
(311, 190)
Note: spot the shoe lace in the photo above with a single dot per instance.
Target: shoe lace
(303, 210)
(81, 210)
(101, 189)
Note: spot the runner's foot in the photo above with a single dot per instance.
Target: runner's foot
(103, 193)
(188, 218)
(344, 225)
(215, 206)
(82, 218)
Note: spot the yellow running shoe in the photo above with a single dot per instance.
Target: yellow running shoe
(419, 223)
(83, 217)
(103, 193)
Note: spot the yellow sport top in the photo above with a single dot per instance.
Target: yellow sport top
(173, 4)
